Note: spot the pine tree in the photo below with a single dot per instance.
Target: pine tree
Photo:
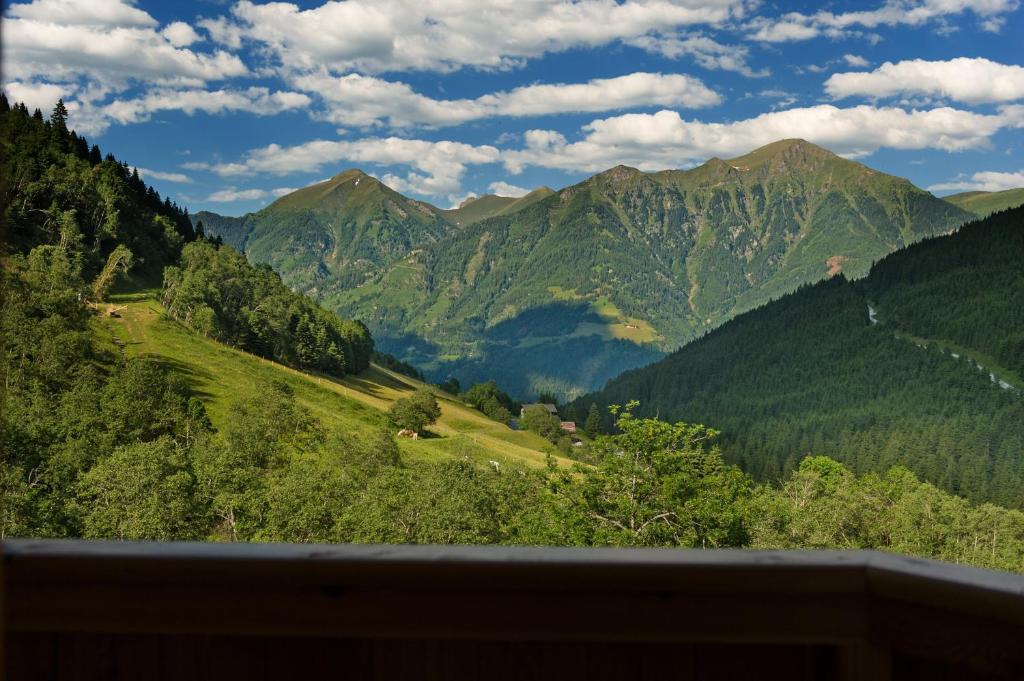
(593, 423)
(59, 117)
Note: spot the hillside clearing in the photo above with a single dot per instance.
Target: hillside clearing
(355, 404)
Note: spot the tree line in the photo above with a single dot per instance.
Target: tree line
(56, 189)
(215, 291)
(273, 473)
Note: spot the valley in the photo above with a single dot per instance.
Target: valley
(608, 275)
(159, 385)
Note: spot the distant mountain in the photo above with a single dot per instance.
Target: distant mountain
(475, 209)
(919, 364)
(986, 203)
(234, 231)
(333, 234)
(608, 274)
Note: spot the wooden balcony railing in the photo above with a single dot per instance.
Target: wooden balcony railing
(104, 610)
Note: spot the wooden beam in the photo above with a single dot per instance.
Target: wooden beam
(876, 612)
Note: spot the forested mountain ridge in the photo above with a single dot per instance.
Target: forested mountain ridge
(872, 372)
(609, 273)
(966, 290)
(796, 212)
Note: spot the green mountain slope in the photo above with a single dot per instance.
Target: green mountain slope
(934, 383)
(610, 273)
(986, 203)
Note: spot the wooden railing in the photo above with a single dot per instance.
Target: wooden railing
(105, 610)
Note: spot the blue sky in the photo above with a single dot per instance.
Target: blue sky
(226, 105)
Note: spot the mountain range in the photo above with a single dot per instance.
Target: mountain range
(561, 291)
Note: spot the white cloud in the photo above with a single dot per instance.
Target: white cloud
(436, 168)
(707, 52)
(393, 35)
(231, 195)
(666, 140)
(986, 181)
(180, 178)
(180, 34)
(95, 48)
(971, 80)
(792, 27)
(636, 89)
(78, 13)
(855, 60)
(223, 31)
(93, 119)
(41, 96)
(109, 55)
(797, 26)
(358, 100)
(506, 189)
(255, 100)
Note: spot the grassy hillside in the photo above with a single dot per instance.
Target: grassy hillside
(918, 364)
(986, 203)
(608, 274)
(354, 404)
